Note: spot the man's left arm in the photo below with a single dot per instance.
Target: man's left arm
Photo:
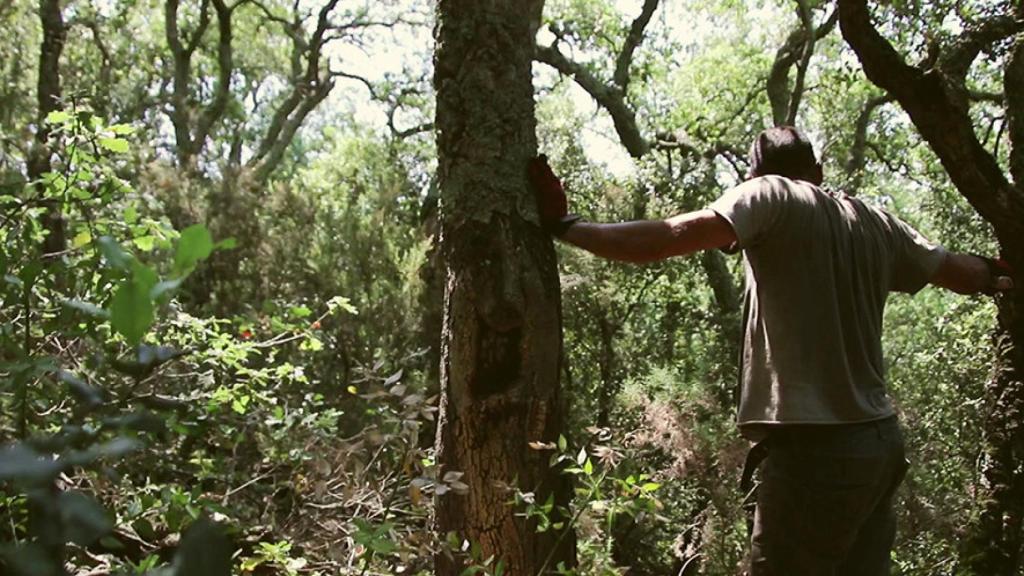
(971, 274)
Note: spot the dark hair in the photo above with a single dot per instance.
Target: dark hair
(785, 151)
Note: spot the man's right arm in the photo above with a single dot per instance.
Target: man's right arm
(968, 274)
(651, 240)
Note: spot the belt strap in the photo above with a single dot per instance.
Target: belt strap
(757, 453)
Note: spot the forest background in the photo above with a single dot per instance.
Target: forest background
(224, 293)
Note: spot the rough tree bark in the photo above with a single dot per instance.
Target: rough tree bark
(937, 101)
(501, 339)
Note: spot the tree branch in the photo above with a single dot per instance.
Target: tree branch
(48, 94)
(942, 119)
(785, 102)
(225, 68)
(608, 97)
(182, 64)
(307, 91)
(956, 59)
(633, 40)
(805, 61)
(858, 150)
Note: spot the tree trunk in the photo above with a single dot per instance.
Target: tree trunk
(936, 101)
(501, 339)
(996, 545)
(48, 95)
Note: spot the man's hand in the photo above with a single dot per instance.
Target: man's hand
(973, 274)
(1000, 275)
(551, 203)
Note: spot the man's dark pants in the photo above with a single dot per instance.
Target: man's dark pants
(825, 503)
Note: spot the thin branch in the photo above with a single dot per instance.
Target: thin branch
(956, 59)
(795, 48)
(362, 80)
(807, 21)
(225, 68)
(997, 98)
(858, 158)
(608, 97)
(633, 39)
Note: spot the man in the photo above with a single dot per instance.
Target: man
(819, 267)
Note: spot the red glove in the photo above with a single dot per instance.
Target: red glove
(551, 203)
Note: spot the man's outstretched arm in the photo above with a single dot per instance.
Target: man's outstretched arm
(968, 274)
(650, 240)
(638, 241)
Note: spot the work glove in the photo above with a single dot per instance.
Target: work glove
(551, 203)
(1000, 275)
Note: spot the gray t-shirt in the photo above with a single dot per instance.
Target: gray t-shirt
(819, 267)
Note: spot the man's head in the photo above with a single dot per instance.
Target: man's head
(785, 151)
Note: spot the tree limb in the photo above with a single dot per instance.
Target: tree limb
(307, 91)
(807, 21)
(225, 68)
(633, 39)
(608, 97)
(956, 59)
(858, 150)
(942, 120)
(181, 55)
(785, 102)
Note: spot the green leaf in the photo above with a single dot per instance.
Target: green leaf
(311, 344)
(240, 403)
(58, 117)
(153, 356)
(588, 467)
(122, 129)
(116, 145)
(226, 244)
(85, 521)
(84, 392)
(19, 462)
(341, 303)
(195, 245)
(87, 308)
(144, 243)
(162, 290)
(114, 254)
(300, 311)
(205, 550)
(32, 559)
(131, 308)
(81, 239)
(110, 450)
